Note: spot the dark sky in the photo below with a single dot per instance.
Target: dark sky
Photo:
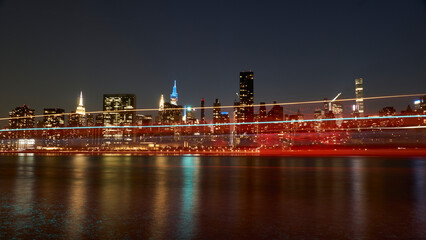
(298, 50)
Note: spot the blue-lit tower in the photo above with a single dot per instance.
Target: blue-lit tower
(174, 95)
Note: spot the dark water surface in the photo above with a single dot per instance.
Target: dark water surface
(197, 197)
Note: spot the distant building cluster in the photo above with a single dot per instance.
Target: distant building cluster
(120, 127)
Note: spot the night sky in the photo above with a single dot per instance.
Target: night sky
(298, 50)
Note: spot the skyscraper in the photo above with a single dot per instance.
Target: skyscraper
(53, 117)
(161, 105)
(245, 108)
(174, 95)
(78, 118)
(359, 94)
(246, 88)
(80, 108)
(219, 118)
(172, 112)
(216, 111)
(203, 117)
(122, 108)
(21, 117)
(119, 109)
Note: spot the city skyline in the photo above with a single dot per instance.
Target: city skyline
(80, 108)
(78, 46)
(225, 119)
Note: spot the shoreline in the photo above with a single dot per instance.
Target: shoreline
(382, 152)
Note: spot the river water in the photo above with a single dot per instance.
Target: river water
(205, 197)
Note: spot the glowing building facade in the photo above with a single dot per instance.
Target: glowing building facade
(78, 118)
(80, 108)
(174, 95)
(359, 94)
(170, 112)
(21, 117)
(245, 109)
(121, 107)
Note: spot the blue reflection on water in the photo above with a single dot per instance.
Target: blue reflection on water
(189, 199)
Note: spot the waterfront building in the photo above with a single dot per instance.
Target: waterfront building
(21, 117)
(359, 94)
(90, 120)
(119, 109)
(54, 118)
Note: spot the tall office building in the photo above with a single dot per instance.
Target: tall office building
(359, 94)
(171, 112)
(203, 116)
(78, 118)
(174, 95)
(90, 120)
(246, 88)
(220, 118)
(21, 117)
(119, 109)
(53, 117)
(161, 105)
(245, 109)
(80, 108)
(216, 111)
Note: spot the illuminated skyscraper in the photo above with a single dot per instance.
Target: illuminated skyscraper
(359, 94)
(174, 95)
(246, 88)
(80, 108)
(203, 117)
(122, 108)
(216, 111)
(161, 105)
(53, 117)
(78, 118)
(245, 108)
(21, 117)
(172, 112)
(160, 109)
(119, 109)
(219, 118)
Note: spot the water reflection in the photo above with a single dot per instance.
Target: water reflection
(23, 191)
(160, 204)
(193, 197)
(419, 191)
(77, 203)
(358, 194)
(189, 198)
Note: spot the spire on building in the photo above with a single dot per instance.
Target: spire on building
(174, 95)
(80, 108)
(161, 106)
